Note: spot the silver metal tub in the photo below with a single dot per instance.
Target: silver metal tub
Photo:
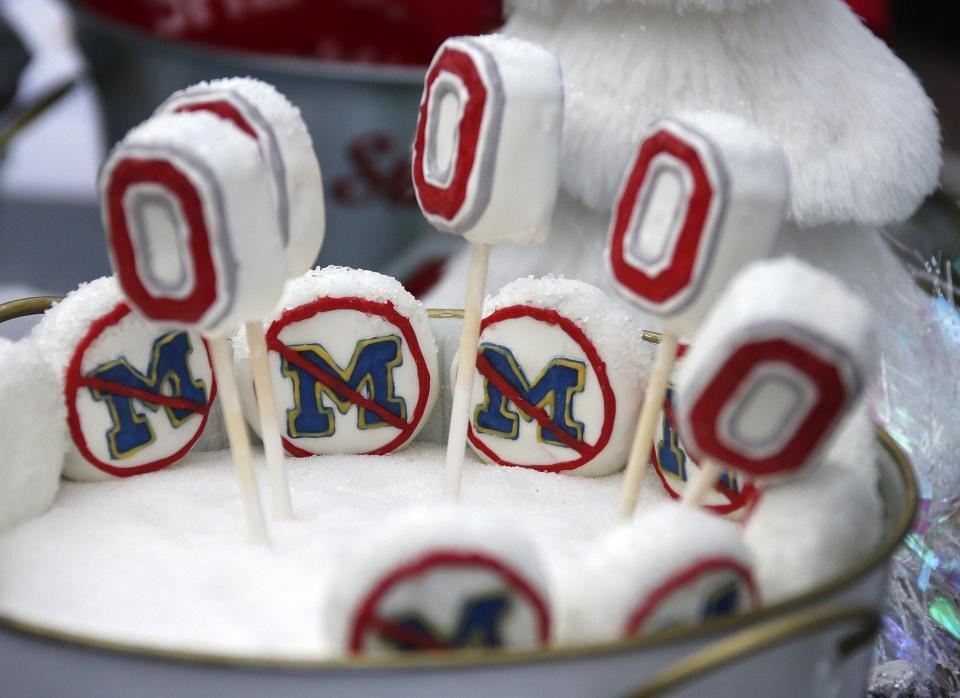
(817, 645)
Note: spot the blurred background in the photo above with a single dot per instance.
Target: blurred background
(75, 76)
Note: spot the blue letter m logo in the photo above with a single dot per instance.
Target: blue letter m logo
(479, 625)
(167, 383)
(366, 382)
(549, 398)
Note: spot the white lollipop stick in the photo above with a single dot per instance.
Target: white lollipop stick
(486, 166)
(647, 422)
(467, 360)
(709, 475)
(269, 427)
(239, 440)
(704, 194)
(772, 373)
(193, 239)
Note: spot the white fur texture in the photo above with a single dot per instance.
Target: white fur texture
(33, 431)
(860, 134)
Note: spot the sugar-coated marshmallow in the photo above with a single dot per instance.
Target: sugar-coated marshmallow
(676, 469)
(669, 566)
(32, 430)
(137, 397)
(354, 364)
(443, 577)
(191, 223)
(259, 110)
(705, 194)
(561, 370)
(487, 150)
(774, 370)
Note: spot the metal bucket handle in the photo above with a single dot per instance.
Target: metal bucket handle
(746, 643)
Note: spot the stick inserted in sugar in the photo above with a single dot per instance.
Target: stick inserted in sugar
(263, 113)
(193, 239)
(705, 194)
(772, 373)
(486, 166)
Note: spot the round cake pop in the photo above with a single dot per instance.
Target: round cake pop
(262, 112)
(487, 151)
(191, 223)
(705, 194)
(560, 372)
(32, 431)
(136, 396)
(353, 363)
(670, 566)
(774, 370)
(676, 469)
(435, 579)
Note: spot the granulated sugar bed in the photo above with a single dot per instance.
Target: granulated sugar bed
(162, 560)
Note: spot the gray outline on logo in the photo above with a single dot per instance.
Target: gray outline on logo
(139, 201)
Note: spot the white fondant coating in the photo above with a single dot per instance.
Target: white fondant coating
(229, 176)
(288, 148)
(32, 431)
(536, 345)
(341, 333)
(514, 181)
(441, 595)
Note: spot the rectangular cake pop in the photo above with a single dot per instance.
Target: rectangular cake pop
(775, 369)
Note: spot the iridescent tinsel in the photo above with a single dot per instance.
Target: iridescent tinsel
(917, 401)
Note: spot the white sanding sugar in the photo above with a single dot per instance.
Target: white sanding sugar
(806, 531)
(33, 432)
(161, 559)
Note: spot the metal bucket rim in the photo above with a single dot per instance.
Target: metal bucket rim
(495, 658)
(251, 60)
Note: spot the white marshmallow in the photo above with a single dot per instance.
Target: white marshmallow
(774, 370)
(137, 397)
(676, 469)
(32, 431)
(439, 577)
(670, 566)
(487, 152)
(353, 327)
(259, 110)
(579, 365)
(705, 194)
(191, 224)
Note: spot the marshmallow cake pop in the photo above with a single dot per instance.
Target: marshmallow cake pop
(32, 430)
(436, 579)
(670, 566)
(193, 238)
(560, 372)
(705, 193)
(486, 166)
(353, 363)
(137, 397)
(263, 113)
(774, 371)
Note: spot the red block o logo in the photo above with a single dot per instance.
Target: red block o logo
(666, 220)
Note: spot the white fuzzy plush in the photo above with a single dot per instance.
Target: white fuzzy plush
(859, 132)
(33, 431)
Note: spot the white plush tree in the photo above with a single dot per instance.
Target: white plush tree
(860, 134)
